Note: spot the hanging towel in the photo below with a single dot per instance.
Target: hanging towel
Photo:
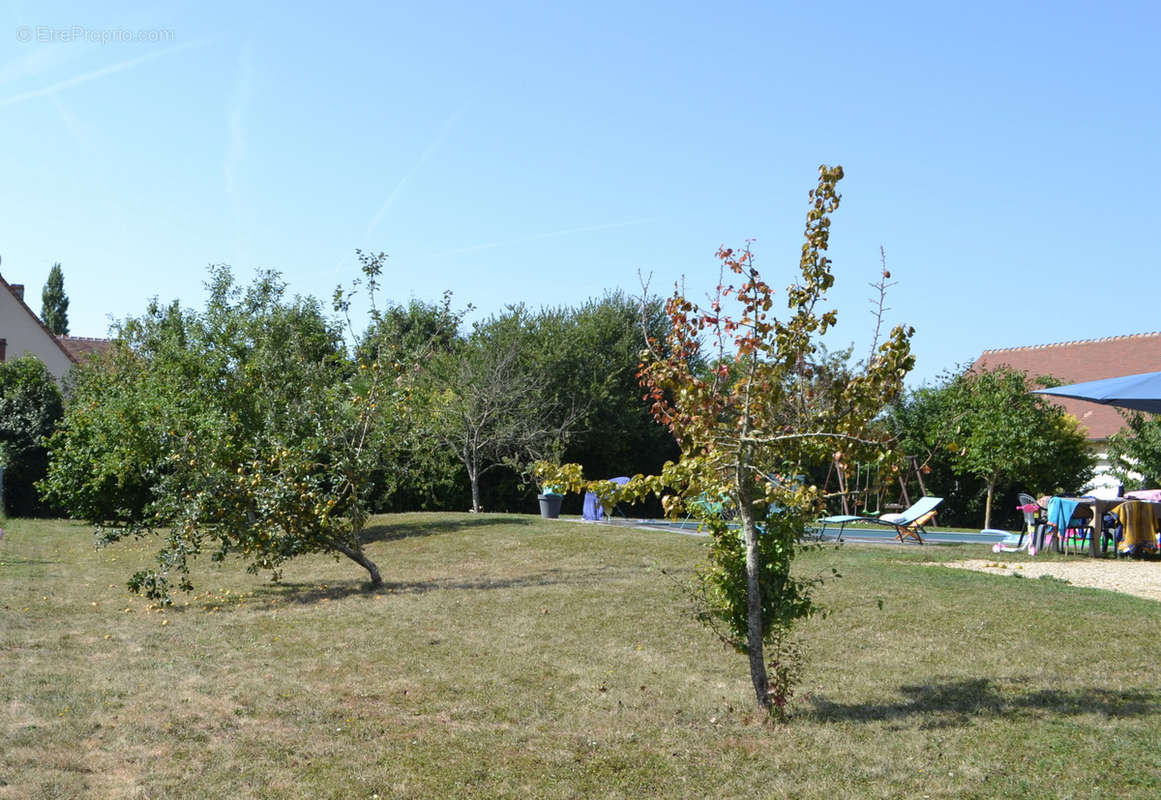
(1060, 512)
(1140, 525)
(592, 510)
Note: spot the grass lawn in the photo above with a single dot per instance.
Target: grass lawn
(513, 657)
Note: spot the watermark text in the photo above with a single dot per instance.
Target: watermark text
(53, 34)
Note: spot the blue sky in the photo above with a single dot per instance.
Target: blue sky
(1004, 154)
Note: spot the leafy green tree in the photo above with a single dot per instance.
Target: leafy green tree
(617, 435)
(987, 427)
(107, 455)
(751, 428)
(30, 407)
(1135, 451)
(527, 382)
(416, 474)
(489, 400)
(917, 423)
(414, 332)
(245, 429)
(54, 308)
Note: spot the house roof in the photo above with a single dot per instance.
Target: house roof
(1087, 360)
(76, 348)
(7, 287)
(79, 347)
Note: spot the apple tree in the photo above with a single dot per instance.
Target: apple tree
(247, 430)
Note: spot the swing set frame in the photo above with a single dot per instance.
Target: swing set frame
(868, 485)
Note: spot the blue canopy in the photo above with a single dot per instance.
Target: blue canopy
(1141, 392)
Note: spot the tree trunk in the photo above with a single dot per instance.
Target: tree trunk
(359, 557)
(988, 505)
(474, 478)
(754, 621)
(372, 570)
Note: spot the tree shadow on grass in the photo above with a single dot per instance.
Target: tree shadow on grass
(956, 703)
(309, 593)
(406, 530)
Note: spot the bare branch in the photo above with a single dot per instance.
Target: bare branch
(878, 304)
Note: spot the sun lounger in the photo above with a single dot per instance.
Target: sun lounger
(907, 524)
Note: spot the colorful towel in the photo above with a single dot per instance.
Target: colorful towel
(1140, 525)
(1060, 512)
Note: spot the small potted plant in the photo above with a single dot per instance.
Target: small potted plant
(550, 501)
(553, 481)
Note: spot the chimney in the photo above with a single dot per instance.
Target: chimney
(18, 290)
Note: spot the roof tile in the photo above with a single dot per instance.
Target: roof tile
(1085, 360)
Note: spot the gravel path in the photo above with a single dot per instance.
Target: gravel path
(1140, 578)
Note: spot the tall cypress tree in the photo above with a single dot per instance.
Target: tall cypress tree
(54, 308)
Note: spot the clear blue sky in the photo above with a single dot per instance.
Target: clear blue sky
(1004, 154)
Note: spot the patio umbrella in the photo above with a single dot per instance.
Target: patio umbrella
(1141, 392)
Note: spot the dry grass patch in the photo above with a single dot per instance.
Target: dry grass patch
(512, 657)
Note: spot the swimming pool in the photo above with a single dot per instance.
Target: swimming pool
(849, 534)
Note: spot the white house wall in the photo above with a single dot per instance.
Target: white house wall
(25, 335)
(1104, 483)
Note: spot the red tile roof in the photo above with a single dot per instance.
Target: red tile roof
(1073, 362)
(78, 347)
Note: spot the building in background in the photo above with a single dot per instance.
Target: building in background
(21, 331)
(1089, 360)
